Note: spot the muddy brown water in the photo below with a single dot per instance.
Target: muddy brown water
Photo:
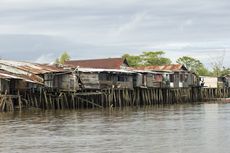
(200, 128)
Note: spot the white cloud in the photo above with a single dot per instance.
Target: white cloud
(111, 28)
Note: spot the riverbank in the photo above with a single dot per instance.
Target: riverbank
(110, 98)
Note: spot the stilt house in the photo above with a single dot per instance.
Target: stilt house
(103, 73)
(174, 75)
(12, 83)
(105, 78)
(51, 76)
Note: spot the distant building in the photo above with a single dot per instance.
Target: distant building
(208, 82)
(107, 63)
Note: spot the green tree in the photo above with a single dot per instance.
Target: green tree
(217, 71)
(225, 71)
(193, 64)
(190, 63)
(64, 57)
(203, 71)
(154, 58)
(147, 58)
(133, 61)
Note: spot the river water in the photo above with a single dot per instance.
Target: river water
(200, 128)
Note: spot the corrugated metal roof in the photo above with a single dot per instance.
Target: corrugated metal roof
(171, 67)
(108, 63)
(31, 78)
(6, 75)
(33, 67)
(42, 68)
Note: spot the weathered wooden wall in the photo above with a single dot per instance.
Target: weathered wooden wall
(90, 80)
(4, 86)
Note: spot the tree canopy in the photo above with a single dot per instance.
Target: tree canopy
(218, 71)
(64, 57)
(155, 58)
(132, 60)
(193, 64)
(147, 58)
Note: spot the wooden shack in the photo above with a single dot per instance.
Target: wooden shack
(53, 77)
(162, 78)
(174, 75)
(224, 81)
(144, 78)
(141, 79)
(12, 83)
(4, 84)
(183, 78)
(105, 78)
(102, 73)
(62, 81)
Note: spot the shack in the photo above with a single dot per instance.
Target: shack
(143, 79)
(105, 78)
(12, 83)
(57, 78)
(53, 77)
(155, 78)
(102, 73)
(146, 78)
(174, 75)
(224, 81)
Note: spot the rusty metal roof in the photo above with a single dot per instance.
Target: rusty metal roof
(171, 67)
(107, 63)
(28, 78)
(41, 68)
(7, 75)
(33, 67)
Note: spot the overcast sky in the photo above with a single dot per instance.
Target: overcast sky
(40, 30)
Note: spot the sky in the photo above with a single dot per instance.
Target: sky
(40, 30)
